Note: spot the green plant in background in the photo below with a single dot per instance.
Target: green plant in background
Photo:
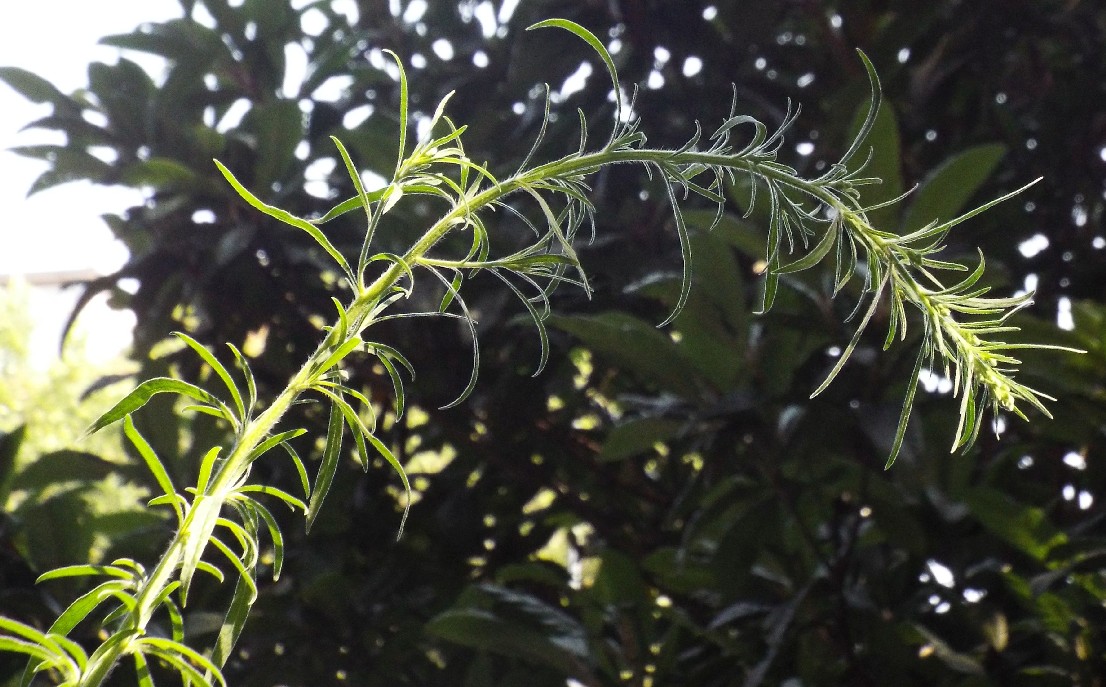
(823, 215)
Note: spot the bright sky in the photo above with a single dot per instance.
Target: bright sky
(60, 229)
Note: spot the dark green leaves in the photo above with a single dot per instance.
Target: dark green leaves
(517, 624)
(32, 87)
(948, 188)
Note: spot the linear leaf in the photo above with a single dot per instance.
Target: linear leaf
(386, 453)
(142, 394)
(856, 338)
(218, 368)
(233, 623)
(275, 440)
(600, 49)
(154, 464)
(331, 453)
(291, 220)
(816, 254)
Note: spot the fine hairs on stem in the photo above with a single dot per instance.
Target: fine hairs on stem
(221, 521)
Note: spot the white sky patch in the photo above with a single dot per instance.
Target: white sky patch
(316, 176)
(692, 66)
(485, 15)
(1064, 319)
(506, 10)
(1075, 460)
(1030, 285)
(333, 89)
(1033, 245)
(443, 49)
(233, 116)
(576, 81)
(974, 595)
(414, 11)
(357, 116)
(295, 71)
(941, 574)
(60, 229)
(1079, 216)
(313, 22)
(934, 382)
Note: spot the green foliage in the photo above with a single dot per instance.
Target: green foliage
(704, 520)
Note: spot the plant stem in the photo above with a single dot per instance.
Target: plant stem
(233, 469)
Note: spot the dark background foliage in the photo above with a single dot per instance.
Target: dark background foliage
(659, 507)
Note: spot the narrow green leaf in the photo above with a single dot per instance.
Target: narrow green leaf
(467, 317)
(200, 522)
(945, 226)
(292, 501)
(74, 651)
(338, 354)
(144, 392)
(386, 453)
(218, 368)
(84, 570)
(907, 405)
(357, 428)
(206, 466)
(536, 317)
(142, 670)
(772, 259)
(153, 464)
(274, 532)
(182, 657)
(244, 571)
(300, 469)
(233, 623)
(291, 220)
(403, 114)
(79, 609)
(247, 373)
(210, 569)
(820, 250)
(33, 650)
(331, 453)
(685, 252)
(386, 354)
(873, 109)
(21, 630)
(176, 620)
(856, 338)
(275, 440)
(600, 50)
